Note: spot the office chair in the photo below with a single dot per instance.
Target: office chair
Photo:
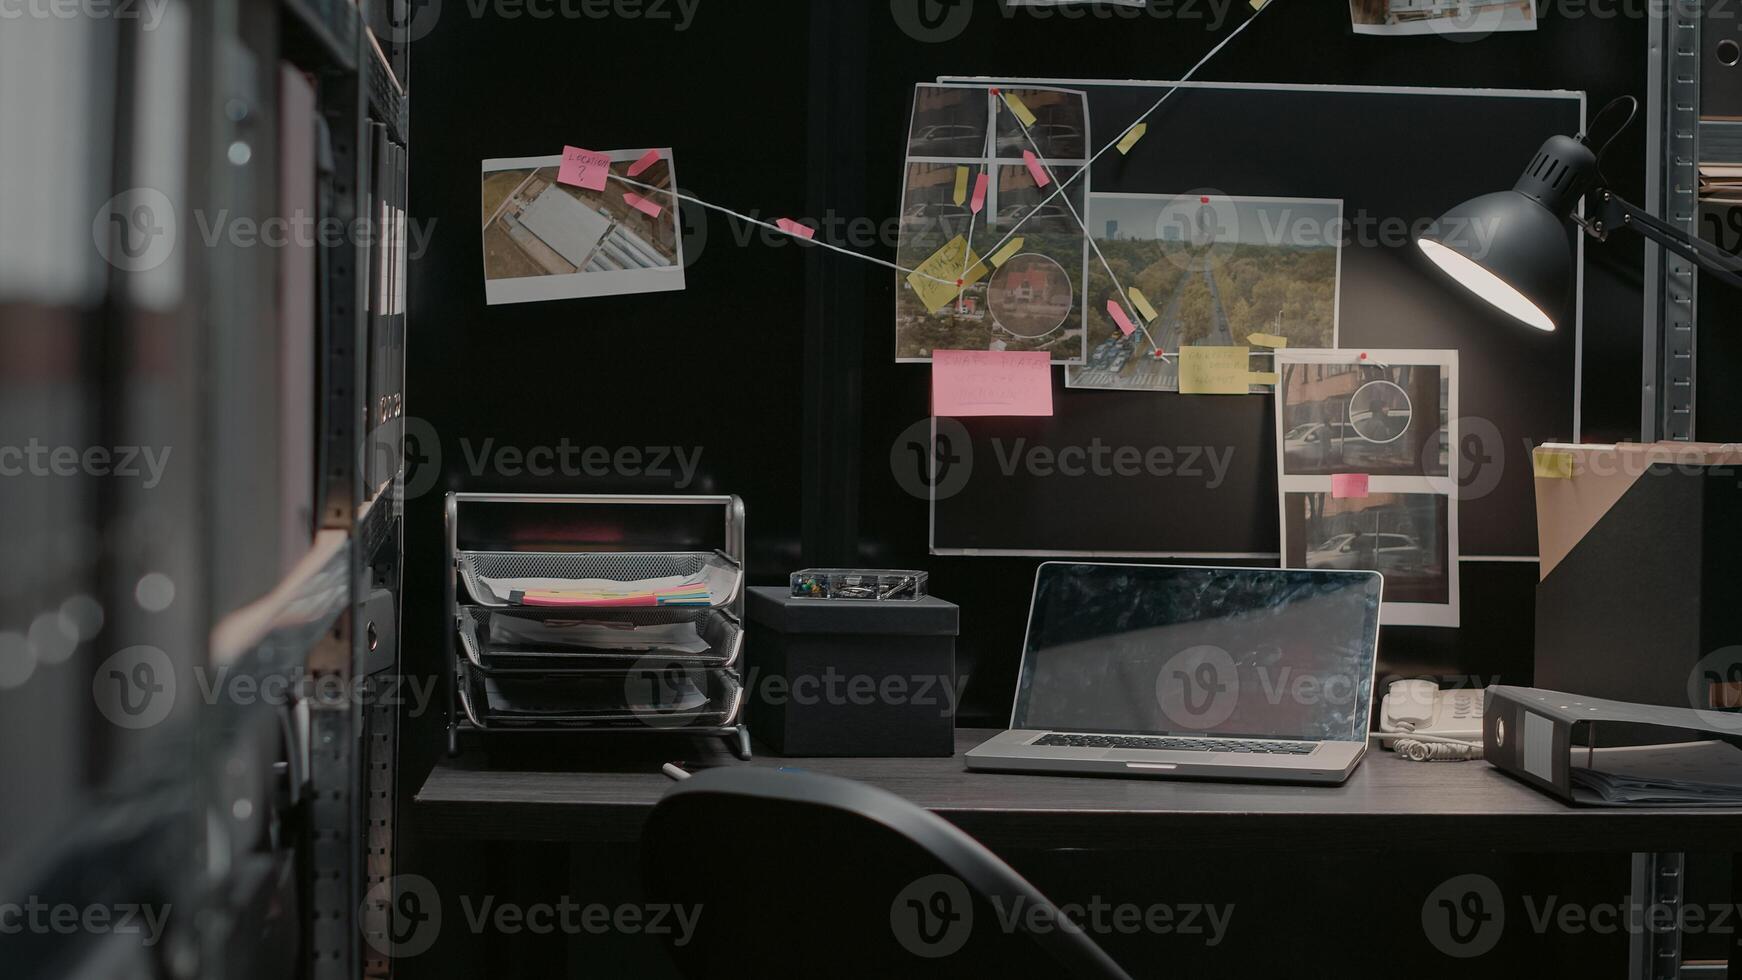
(800, 874)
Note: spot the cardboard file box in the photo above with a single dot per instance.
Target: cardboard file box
(1641, 569)
(846, 678)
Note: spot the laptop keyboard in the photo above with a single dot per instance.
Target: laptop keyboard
(1177, 744)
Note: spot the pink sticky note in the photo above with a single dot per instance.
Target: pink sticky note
(1349, 486)
(980, 185)
(640, 166)
(792, 227)
(982, 382)
(1117, 312)
(584, 168)
(1035, 170)
(643, 205)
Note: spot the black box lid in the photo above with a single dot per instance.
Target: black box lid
(775, 607)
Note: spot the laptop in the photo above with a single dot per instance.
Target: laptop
(1209, 673)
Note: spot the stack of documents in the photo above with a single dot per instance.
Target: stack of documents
(1721, 183)
(618, 596)
(1683, 774)
(508, 632)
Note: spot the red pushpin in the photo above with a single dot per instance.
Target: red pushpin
(996, 91)
(1203, 200)
(962, 282)
(1159, 353)
(1363, 357)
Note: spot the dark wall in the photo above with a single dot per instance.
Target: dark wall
(716, 370)
(1294, 42)
(776, 363)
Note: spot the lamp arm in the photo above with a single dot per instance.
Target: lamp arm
(1614, 211)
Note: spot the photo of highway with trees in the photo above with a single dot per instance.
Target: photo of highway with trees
(1215, 270)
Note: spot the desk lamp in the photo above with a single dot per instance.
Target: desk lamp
(1525, 267)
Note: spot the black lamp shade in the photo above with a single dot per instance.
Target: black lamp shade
(1513, 248)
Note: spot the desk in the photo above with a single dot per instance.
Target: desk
(593, 792)
(549, 796)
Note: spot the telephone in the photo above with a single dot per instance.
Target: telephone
(1423, 723)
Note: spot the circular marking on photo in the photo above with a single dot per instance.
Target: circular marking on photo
(1031, 296)
(1380, 412)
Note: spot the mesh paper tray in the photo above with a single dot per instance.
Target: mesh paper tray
(489, 637)
(635, 701)
(492, 576)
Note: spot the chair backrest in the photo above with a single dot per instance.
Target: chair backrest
(800, 874)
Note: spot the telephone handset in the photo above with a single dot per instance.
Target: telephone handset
(1423, 723)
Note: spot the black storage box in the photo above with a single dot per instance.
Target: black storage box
(851, 678)
(1641, 574)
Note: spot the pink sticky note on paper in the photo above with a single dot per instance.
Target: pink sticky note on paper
(792, 227)
(643, 205)
(642, 164)
(1117, 312)
(584, 168)
(979, 201)
(968, 383)
(1035, 170)
(1349, 486)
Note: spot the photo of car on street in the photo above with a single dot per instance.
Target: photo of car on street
(1215, 269)
(1351, 417)
(545, 240)
(1403, 536)
(949, 122)
(1363, 449)
(1028, 245)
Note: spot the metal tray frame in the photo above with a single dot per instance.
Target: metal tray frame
(462, 716)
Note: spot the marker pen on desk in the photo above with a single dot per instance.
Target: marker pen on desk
(676, 770)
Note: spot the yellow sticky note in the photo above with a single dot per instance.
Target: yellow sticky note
(1553, 465)
(1131, 137)
(1016, 105)
(1214, 370)
(1268, 340)
(1264, 378)
(1004, 254)
(1142, 303)
(961, 184)
(934, 282)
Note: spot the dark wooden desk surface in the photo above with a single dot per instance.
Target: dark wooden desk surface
(590, 791)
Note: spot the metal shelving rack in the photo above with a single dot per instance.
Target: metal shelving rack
(1670, 343)
(348, 841)
(1672, 192)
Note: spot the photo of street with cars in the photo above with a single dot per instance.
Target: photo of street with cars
(1382, 420)
(1404, 536)
(1215, 269)
(1022, 289)
(1364, 443)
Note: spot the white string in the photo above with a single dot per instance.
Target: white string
(777, 228)
(1119, 288)
(1013, 228)
(1135, 123)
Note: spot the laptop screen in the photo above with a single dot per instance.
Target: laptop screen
(1151, 649)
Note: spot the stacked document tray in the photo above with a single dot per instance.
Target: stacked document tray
(602, 580)
(596, 641)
